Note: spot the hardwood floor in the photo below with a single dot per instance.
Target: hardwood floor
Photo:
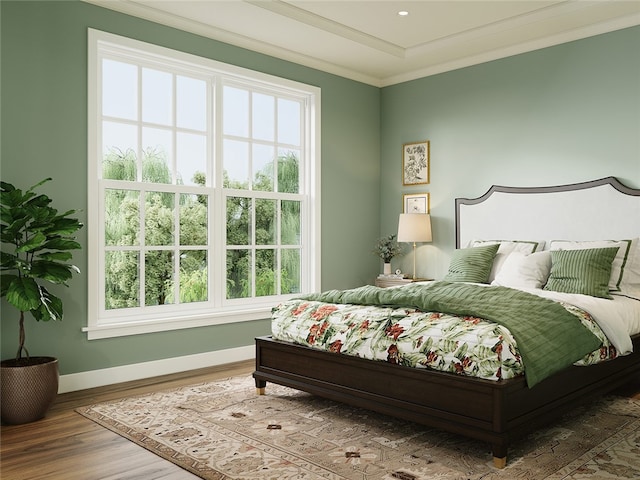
(67, 446)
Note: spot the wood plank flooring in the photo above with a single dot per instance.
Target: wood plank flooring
(67, 446)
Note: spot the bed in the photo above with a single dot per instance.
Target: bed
(491, 408)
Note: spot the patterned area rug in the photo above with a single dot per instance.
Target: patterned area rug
(223, 430)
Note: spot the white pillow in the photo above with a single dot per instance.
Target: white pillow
(630, 284)
(619, 264)
(506, 247)
(524, 271)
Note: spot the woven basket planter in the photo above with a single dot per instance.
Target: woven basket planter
(28, 390)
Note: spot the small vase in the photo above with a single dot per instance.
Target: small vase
(387, 269)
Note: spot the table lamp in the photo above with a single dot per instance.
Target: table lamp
(412, 228)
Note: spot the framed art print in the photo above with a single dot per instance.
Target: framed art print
(415, 163)
(416, 203)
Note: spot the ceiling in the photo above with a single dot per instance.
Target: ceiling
(367, 41)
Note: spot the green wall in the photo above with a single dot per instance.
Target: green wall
(559, 115)
(44, 133)
(563, 114)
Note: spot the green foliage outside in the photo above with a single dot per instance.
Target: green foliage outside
(122, 229)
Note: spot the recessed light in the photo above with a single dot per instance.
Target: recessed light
(403, 13)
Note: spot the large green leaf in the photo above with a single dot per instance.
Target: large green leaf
(52, 271)
(63, 226)
(39, 201)
(6, 187)
(8, 261)
(13, 227)
(50, 307)
(35, 242)
(61, 244)
(56, 256)
(24, 294)
(41, 217)
(5, 282)
(11, 197)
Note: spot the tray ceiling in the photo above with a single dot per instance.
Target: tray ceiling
(370, 42)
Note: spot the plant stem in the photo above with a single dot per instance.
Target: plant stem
(22, 348)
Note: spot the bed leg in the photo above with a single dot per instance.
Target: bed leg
(499, 451)
(261, 386)
(500, 462)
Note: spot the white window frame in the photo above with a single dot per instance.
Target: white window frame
(217, 310)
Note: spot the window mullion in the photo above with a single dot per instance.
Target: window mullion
(174, 132)
(252, 245)
(142, 247)
(139, 150)
(176, 248)
(217, 209)
(278, 249)
(173, 161)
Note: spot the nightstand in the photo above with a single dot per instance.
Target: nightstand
(394, 281)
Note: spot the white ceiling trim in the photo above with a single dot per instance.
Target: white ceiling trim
(498, 27)
(225, 36)
(327, 25)
(410, 54)
(517, 49)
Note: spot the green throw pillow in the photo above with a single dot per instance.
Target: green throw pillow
(472, 264)
(581, 271)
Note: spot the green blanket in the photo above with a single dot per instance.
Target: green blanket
(549, 337)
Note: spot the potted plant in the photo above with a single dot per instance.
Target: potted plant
(36, 247)
(386, 249)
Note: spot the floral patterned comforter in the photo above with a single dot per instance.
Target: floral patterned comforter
(403, 336)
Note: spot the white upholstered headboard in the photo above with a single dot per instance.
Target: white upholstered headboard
(602, 209)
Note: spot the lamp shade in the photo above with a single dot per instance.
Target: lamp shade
(414, 227)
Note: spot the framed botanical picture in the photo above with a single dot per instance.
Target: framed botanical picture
(415, 163)
(416, 203)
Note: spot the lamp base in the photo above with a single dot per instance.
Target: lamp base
(414, 260)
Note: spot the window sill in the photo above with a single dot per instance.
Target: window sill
(150, 326)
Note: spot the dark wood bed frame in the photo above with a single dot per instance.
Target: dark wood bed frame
(494, 412)
(489, 411)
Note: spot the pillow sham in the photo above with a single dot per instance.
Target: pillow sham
(524, 271)
(472, 264)
(630, 284)
(505, 248)
(618, 264)
(585, 271)
(508, 246)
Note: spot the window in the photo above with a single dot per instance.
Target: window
(203, 189)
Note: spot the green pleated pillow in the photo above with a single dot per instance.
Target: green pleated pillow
(581, 271)
(472, 264)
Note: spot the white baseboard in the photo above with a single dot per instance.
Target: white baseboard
(137, 371)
